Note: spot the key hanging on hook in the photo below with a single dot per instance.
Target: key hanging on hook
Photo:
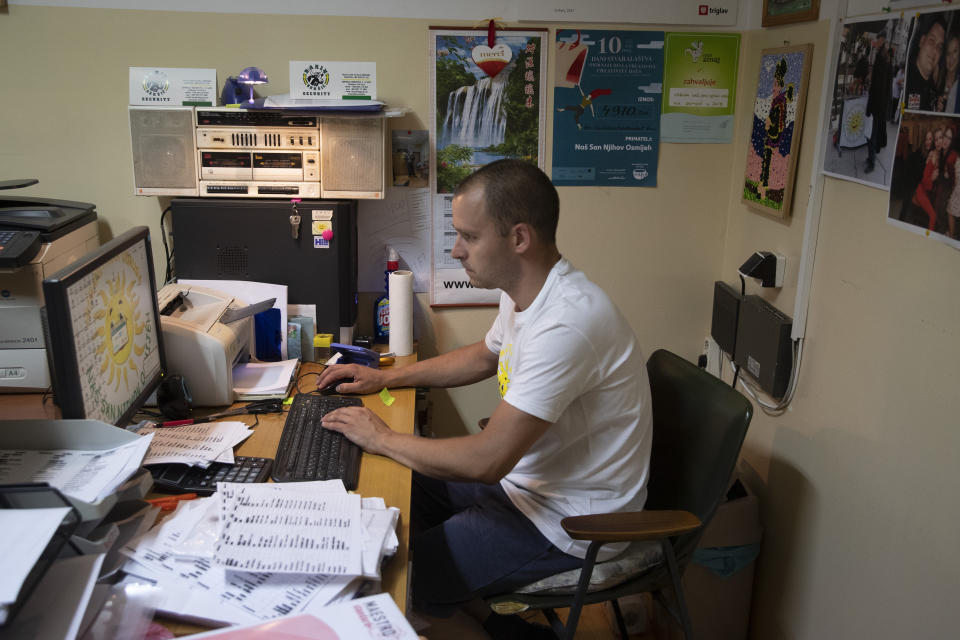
(295, 219)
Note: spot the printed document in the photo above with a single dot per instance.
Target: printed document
(24, 534)
(86, 475)
(371, 617)
(195, 444)
(269, 527)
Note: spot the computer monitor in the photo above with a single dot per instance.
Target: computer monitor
(102, 325)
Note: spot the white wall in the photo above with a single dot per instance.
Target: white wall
(858, 480)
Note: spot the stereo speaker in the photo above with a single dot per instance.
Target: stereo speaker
(164, 151)
(353, 157)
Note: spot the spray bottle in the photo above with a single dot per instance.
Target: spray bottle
(381, 308)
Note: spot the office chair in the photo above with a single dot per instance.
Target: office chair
(699, 424)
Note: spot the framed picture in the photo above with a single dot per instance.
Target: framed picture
(775, 134)
(789, 11)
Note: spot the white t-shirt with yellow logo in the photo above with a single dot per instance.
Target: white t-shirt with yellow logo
(572, 359)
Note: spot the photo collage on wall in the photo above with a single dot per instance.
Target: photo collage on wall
(895, 117)
(924, 197)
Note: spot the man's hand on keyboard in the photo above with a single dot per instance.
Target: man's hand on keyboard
(364, 379)
(360, 425)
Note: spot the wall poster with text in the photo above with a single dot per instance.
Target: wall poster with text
(488, 101)
(699, 87)
(606, 123)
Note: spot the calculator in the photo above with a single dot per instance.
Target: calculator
(182, 478)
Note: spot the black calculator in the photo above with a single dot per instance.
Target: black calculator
(182, 478)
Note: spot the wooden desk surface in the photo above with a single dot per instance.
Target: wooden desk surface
(379, 476)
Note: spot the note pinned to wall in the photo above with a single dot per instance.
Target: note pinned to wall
(401, 220)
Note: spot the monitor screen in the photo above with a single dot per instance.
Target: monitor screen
(104, 342)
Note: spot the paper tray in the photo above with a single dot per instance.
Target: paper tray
(37, 496)
(84, 435)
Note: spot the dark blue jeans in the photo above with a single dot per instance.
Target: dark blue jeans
(469, 541)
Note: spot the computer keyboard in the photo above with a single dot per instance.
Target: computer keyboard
(307, 451)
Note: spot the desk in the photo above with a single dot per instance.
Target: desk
(379, 476)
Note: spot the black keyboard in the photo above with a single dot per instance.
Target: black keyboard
(307, 451)
(182, 478)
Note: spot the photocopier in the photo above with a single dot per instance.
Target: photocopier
(38, 236)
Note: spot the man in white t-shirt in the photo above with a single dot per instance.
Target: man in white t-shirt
(571, 434)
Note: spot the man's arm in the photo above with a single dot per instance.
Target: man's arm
(481, 457)
(462, 366)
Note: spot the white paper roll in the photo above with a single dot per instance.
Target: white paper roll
(401, 312)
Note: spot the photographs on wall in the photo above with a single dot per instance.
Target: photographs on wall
(775, 134)
(924, 197)
(865, 101)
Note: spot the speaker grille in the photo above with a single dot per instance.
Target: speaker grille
(232, 261)
(351, 155)
(164, 156)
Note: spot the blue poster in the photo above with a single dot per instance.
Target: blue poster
(606, 123)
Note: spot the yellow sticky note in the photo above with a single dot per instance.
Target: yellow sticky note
(288, 400)
(386, 397)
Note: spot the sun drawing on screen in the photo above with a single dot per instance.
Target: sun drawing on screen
(121, 325)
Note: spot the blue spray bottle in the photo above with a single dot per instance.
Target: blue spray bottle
(381, 308)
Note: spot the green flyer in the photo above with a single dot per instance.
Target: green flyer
(699, 87)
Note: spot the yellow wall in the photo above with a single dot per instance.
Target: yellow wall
(858, 480)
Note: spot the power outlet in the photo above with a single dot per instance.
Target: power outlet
(712, 350)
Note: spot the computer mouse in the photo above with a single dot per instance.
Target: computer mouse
(331, 389)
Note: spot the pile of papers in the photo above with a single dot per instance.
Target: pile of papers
(87, 475)
(254, 552)
(262, 380)
(24, 534)
(195, 444)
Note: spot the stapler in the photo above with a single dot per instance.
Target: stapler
(351, 354)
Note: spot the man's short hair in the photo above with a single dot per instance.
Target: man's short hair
(516, 191)
(925, 23)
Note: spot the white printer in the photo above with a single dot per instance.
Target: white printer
(38, 237)
(205, 334)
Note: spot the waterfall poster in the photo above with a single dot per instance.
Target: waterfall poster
(607, 92)
(488, 100)
(489, 103)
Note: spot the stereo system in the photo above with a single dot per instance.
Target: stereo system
(220, 152)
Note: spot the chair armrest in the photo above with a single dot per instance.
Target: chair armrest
(633, 525)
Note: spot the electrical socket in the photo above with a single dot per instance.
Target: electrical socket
(781, 272)
(712, 350)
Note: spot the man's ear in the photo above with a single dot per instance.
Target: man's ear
(522, 236)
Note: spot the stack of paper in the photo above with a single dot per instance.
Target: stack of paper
(24, 534)
(244, 566)
(195, 444)
(56, 607)
(87, 475)
(262, 380)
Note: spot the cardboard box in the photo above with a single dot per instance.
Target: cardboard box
(719, 607)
